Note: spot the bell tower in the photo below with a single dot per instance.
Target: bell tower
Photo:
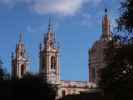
(49, 57)
(19, 60)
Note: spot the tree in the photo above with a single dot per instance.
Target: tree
(32, 87)
(125, 21)
(117, 76)
(2, 73)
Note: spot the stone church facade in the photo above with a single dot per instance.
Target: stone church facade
(49, 61)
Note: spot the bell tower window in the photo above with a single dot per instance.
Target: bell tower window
(63, 93)
(22, 69)
(53, 62)
(21, 53)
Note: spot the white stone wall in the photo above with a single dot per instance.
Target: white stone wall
(74, 87)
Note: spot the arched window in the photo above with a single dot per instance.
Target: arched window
(22, 69)
(53, 62)
(63, 93)
(21, 53)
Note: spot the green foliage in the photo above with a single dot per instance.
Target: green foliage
(125, 21)
(117, 77)
(30, 87)
(2, 73)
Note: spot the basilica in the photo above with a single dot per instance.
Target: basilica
(49, 61)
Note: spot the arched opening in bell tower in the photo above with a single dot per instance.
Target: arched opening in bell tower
(53, 62)
(22, 69)
(63, 93)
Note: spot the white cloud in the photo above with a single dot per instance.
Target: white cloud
(60, 7)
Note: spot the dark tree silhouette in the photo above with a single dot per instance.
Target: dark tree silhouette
(117, 77)
(125, 21)
(2, 73)
(32, 87)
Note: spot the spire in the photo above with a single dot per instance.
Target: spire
(50, 33)
(20, 45)
(106, 34)
(49, 37)
(49, 25)
(12, 55)
(21, 35)
(40, 47)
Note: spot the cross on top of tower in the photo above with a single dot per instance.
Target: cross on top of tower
(106, 10)
(21, 35)
(49, 25)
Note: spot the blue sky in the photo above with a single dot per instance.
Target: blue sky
(77, 24)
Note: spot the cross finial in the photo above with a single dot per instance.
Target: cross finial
(21, 37)
(12, 55)
(40, 47)
(106, 10)
(49, 26)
